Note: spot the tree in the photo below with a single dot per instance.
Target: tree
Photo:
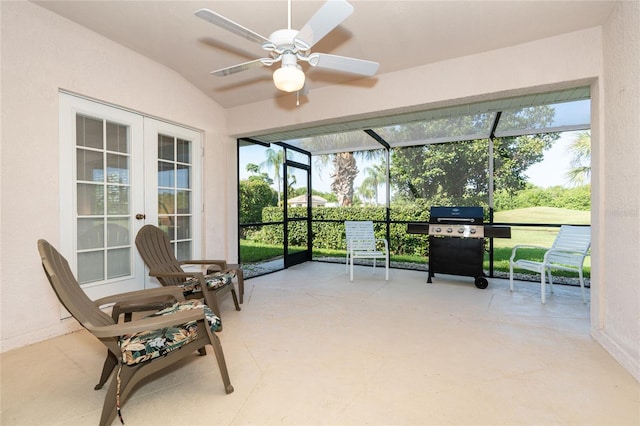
(457, 173)
(255, 169)
(580, 151)
(275, 160)
(254, 196)
(367, 194)
(376, 176)
(344, 174)
(345, 169)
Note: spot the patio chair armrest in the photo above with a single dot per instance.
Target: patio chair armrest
(146, 324)
(221, 263)
(524, 246)
(139, 295)
(185, 274)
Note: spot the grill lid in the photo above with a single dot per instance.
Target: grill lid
(460, 215)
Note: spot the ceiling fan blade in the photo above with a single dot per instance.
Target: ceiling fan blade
(243, 67)
(343, 63)
(329, 16)
(229, 25)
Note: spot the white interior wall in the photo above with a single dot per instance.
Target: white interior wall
(42, 52)
(615, 315)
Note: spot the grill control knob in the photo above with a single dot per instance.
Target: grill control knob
(438, 229)
(460, 230)
(472, 230)
(449, 230)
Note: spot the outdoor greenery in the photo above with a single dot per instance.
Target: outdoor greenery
(421, 176)
(576, 198)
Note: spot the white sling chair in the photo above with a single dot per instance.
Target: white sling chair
(567, 253)
(362, 244)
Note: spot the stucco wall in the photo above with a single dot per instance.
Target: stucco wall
(42, 53)
(616, 318)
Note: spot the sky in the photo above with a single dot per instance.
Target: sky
(553, 169)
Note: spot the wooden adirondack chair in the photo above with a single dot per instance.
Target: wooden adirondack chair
(156, 251)
(167, 336)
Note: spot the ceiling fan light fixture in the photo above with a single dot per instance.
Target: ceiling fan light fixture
(289, 78)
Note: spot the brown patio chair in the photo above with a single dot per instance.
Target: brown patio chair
(156, 251)
(181, 329)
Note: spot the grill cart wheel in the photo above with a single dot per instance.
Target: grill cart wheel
(481, 282)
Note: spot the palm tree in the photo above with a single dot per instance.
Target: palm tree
(367, 193)
(344, 174)
(345, 169)
(580, 151)
(376, 176)
(274, 160)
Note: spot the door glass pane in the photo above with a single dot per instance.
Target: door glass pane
(91, 266)
(175, 177)
(183, 202)
(102, 199)
(165, 174)
(118, 168)
(89, 165)
(89, 132)
(90, 233)
(183, 249)
(117, 199)
(165, 202)
(183, 151)
(183, 231)
(118, 262)
(118, 232)
(90, 199)
(166, 147)
(183, 172)
(117, 137)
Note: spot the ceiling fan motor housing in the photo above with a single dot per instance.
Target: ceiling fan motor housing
(283, 40)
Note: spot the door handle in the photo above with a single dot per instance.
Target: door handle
(140, 216)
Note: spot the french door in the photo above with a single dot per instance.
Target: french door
(119, 171)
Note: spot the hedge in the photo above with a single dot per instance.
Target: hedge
(328, 226)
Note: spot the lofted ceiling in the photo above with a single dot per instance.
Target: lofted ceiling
(397, 34)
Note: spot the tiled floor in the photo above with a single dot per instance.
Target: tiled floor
(311, 348)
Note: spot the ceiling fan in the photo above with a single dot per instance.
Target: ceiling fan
(289, 46)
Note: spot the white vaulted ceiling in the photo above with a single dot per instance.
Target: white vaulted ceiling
(397, 34)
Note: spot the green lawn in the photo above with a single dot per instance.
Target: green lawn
(544, 215)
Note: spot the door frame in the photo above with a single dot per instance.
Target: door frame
(143, 184)
(291, 259)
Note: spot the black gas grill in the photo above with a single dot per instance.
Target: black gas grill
(456, 241)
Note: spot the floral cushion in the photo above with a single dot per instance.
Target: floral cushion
(147, 345)
(214, 281)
